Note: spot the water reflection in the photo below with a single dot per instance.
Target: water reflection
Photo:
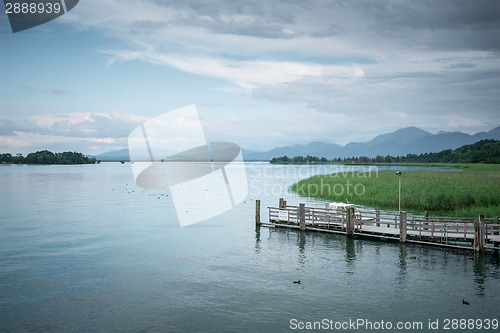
(350, 253)
(412, 265)
(257, 239)
(301, 242)
(401, 278)
(350, 258)
(479, 273)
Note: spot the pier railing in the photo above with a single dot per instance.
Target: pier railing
(463, 232)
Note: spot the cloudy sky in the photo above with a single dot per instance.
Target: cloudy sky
(261, 73)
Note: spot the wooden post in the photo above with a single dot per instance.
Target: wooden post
(257, 212)
(426, 217)
(302, 216)
(377, 216)
(284, 204)
(402, 227)
(350, 222)
(495, 221)
(327, 216)
(479, 234)
(281, 203)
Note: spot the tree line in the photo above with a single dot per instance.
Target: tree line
(48, 157)
(484, 151)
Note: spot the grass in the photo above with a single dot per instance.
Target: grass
(474, 190)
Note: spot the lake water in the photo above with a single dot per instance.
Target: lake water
(84, 249)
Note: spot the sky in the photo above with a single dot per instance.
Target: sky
(262, 74)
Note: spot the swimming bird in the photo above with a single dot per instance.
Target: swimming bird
(465, 302)
(296, 282)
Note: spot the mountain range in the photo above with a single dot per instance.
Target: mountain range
(409, 140)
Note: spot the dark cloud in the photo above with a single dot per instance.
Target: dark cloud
(429, 14)
(267, 19)
(468, 92)
(444, 24)
(264, 19)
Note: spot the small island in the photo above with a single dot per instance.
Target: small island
(47, 157)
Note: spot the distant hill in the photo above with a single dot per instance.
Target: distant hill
(114, 155)
(483, 151)
(313, 148)
(409, 140)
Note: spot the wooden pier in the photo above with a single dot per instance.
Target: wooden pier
(478, 234)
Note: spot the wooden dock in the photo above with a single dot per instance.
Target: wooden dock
(479, 234)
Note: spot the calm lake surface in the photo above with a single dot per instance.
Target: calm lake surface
(82, 248)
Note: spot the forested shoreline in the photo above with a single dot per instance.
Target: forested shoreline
(484, 151)
(47, 157)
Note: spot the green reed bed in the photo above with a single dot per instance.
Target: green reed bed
(472, 191)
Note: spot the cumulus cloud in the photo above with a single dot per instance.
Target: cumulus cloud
(75, 125)
(95, 125)
(247, 74)
(9, 127)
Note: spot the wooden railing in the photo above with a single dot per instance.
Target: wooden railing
(406, 227)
